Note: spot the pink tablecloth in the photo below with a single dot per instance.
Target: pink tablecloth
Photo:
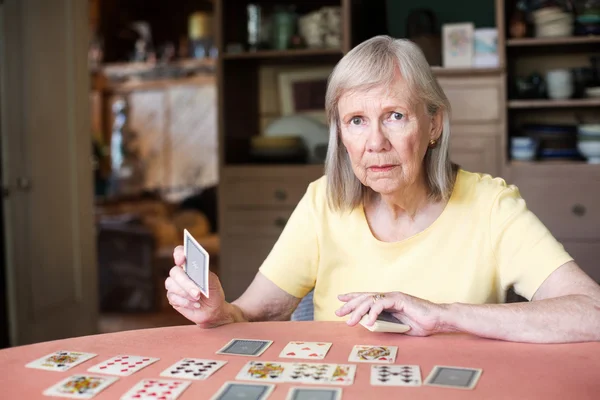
(510, 370)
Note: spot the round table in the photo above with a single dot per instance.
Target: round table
(510, 370)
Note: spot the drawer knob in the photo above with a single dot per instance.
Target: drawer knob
(280, 194)
(280, 222)
(578, 210)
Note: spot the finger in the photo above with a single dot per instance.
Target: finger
(177, 301)
(377, 308)
(179, 256)
(173, 287)
(359, 311)
(184, 281)
(349, 296)
(352, 304)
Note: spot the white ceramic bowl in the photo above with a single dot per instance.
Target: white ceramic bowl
(589, 129)
(523, 154)
(590, 149)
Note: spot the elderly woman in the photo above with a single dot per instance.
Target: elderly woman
(394, 225)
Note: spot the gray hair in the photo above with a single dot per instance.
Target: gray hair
(371, 64)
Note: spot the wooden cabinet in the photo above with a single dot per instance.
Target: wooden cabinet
(256, 202)
(477, 121)
(566, 200)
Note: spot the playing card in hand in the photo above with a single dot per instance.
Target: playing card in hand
(123, 365)
(80, 386)
(163, 389)
(395, 375)
(60, 360)
(373, 354)
(196, 262)
(193, 368)
(338, 374)
(305, 350)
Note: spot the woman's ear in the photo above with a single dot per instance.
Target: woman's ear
(437, 125)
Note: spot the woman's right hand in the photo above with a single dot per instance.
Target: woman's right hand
(185, 297)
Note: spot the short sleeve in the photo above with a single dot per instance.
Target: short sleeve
(525, 250)
(292, 263)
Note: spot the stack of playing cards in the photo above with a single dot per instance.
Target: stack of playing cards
(385, 322)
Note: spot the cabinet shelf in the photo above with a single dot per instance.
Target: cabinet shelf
(553, 41)
(274, 54)
(544, 103)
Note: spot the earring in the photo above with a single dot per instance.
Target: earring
(432, 143)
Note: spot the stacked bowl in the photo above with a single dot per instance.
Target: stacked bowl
(588, 142)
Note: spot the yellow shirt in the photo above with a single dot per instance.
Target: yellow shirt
(485, 241)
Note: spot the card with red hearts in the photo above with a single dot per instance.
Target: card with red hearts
(306, 350)
(166, 389)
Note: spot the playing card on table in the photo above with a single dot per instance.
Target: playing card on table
(338, 374)
(123, 365)
(245, 391)
(307, 350)
(80, 386)
(245, 347)
(60, 360)
(313, 393)
(395, 375)
(196, 262)
(373, 354)
(455, 377)
(163, 389)
(193, 368)
(269, 371)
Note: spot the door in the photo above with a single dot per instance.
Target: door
(46, 170)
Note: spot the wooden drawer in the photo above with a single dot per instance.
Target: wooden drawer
(262, 193)
(241, 256)
(569, 208)
(256, 222)
(266, 186)
(586, 255)
(474, 99)
(475, 153)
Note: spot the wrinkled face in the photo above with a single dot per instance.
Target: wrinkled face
(386, 134)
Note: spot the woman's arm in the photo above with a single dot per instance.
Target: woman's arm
(566, 308)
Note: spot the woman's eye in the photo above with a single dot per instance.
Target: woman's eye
(397, 116)
(356, 121)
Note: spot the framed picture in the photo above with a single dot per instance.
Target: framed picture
(458, 44)
(303, 91)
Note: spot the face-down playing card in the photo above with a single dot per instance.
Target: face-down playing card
(196, 262)
(60, 360)
(163, 389)
(455, 377)
(314, 393)
(122, 365)
(81, 386)
(193, 368)
(245, 391)
(373, 354)
(245, 347)
(306, 350)
(395, 375)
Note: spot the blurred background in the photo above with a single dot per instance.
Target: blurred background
(126, 122)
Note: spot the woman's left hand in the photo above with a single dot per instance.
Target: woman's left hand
(423, 317)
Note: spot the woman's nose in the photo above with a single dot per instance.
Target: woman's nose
(377, 140)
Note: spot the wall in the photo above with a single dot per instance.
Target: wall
(480, 12)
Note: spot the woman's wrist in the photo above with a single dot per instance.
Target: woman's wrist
(449, 318)
(226, 314)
